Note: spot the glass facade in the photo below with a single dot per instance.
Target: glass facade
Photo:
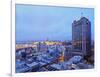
(81, 35)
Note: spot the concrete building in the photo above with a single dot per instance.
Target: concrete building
(81, 36)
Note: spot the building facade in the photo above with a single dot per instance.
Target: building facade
(81, 36)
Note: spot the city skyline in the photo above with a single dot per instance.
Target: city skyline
(48, 22)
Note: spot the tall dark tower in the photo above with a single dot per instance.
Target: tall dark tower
(38, 46)
(81, 36)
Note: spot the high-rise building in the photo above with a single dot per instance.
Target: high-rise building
(81, 36)
(41, 47)
(38, 46)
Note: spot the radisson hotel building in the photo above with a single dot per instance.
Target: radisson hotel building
(81, 36)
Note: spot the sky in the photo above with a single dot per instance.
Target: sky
(37, 22)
